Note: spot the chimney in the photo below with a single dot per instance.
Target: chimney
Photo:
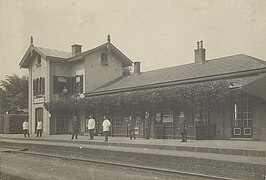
(200, 53)
(76, 49)
(136, 67)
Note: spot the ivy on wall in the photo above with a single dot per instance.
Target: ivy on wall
(176, 93)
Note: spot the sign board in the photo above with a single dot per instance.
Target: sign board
(168, 117)
(38, 100)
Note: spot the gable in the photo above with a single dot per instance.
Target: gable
(107, 47)
(44, 52)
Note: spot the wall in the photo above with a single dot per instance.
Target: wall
(96, 74)
(259, 120)
(227, 118)
(37, 72)
(76, 68)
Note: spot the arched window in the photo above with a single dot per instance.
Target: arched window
(104, 59)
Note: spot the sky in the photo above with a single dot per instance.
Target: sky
(157, 33)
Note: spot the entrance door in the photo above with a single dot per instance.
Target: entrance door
(168, 120)
(62, 122)
(38, 116)
(204, 130)
(242, 122)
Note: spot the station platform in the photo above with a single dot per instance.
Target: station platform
(235, 159)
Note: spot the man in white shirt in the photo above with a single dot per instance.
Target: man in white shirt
(91, 126)
(39, 128)
(25, 127)
(106, 127)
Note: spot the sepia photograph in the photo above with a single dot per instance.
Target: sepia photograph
(133, 90)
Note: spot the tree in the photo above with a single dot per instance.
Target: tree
(13, 94)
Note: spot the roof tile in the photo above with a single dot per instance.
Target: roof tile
(225, 65)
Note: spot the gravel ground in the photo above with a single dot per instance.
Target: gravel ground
(22, 166)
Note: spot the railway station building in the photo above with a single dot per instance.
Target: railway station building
(223, 98)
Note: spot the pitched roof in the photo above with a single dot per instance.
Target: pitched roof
(59, 55)
(215, 67)
(62, 55)
(53, 52)
(125, 60)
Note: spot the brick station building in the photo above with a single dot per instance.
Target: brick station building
(223, 98)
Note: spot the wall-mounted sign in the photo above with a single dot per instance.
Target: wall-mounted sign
(158, 117)
(38, 100)
(168, 116)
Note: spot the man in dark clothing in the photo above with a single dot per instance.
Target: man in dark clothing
(75, 128)
(147, 126)
(131, 127)
(182, 126)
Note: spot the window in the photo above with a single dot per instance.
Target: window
(242, 114)
(61, 83)
(104, 59)
(117, 116)
(39, 86)
(201, 113)
(79, 84)
(72, 84)
(39, 60)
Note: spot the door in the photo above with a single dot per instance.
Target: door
(204, 130)
(242, 121)
(168, 120)
(158, 126)
(38, 116)
(62, 122)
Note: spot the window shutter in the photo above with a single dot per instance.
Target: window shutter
(74, 85)
(69, 85)
(34, 87)
(40, 86)
(81, 84)
(43, 86)
(55, 84)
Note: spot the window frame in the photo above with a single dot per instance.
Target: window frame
(104, 59)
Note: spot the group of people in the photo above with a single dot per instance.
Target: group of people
(91, 127)
(25, 127)
(182, 126)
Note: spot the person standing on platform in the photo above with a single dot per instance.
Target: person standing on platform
(91, 126)
(75, 128)
(25, 127)
(131, 127)
(147, 126)
(106, 127)
(182, 126)
(39, 128)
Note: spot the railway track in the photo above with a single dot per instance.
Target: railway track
(180, 174)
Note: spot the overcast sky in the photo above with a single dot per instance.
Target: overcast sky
(157, 33)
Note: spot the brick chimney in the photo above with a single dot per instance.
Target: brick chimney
(76, 49)
(200, 53)
(136, 67)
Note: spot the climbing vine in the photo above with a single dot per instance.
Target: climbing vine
(176, 93)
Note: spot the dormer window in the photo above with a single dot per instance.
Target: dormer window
(39, 60)
(104, 59)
